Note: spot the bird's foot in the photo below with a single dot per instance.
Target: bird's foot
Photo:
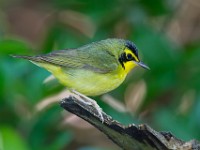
(89, 101)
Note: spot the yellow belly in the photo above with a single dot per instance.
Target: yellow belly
(85, 81)
(90, 83)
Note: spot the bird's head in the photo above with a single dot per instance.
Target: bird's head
(129, 57)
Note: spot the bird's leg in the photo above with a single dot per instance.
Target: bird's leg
(89, 101)
(83, 99)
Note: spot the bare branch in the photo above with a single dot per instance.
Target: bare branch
(137, 137)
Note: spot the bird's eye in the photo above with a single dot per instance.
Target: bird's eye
(129, 57)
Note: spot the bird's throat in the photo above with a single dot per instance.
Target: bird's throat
(128, 66)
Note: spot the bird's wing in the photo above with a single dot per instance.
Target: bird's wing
(99, 61)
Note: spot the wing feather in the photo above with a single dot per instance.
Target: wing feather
(100, 61)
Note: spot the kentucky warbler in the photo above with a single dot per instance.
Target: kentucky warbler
(92, 69)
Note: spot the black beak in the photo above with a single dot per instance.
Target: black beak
(141, 64)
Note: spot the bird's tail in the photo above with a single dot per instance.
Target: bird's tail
(40, 61)
(37, 59)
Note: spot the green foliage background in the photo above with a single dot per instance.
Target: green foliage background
(165, 31)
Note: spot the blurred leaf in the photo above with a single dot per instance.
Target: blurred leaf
(62, 139)
(10, 139)
(190, 67)
(45, 132)
(93, 148)
(155, 7)
(11, 46)
(61, 37)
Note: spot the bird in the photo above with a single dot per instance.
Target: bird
(92, 69)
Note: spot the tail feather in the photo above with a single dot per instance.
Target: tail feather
(39, 61)
(30, 58)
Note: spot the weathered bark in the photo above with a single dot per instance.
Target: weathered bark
(137, 137)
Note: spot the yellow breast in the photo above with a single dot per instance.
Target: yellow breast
(129, 65)
(88, 82)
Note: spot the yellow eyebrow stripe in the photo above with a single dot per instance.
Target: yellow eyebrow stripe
(128, 51)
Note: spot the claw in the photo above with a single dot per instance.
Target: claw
(89, 101)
